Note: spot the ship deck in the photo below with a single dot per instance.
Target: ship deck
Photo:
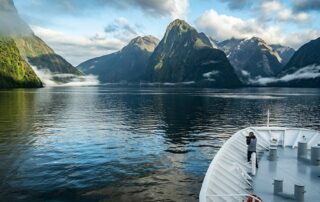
(291, 170)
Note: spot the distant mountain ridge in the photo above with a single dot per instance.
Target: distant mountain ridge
(182, 56)
(126, 65)
(186, 56)
(252, 57)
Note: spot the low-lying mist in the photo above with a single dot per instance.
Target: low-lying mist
(50, 79)
(308, 72)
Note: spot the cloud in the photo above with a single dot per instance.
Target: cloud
(288, 15)
(155, 8)
(77, 49)
(276, 11)
(267, 10)
(210, 75)
(122, 27)
(222, 27)
(237, 4)
(297, 39)
(271, 6)
(308, 72)
(298, 5)
(175, 8)
(306, 5)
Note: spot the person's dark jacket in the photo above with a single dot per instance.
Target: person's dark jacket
(252, 143)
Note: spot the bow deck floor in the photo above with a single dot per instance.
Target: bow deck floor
(291, 170)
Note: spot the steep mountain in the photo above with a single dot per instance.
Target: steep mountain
(15, 72)
(184, 56)
(284, 52)
(252, 57)
(129, 64)
(31, 47)
(303, 69)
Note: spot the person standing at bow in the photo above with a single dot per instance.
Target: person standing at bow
(252, 146)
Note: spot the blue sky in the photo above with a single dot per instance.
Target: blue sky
(82, 29)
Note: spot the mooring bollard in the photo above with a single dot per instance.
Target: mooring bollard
(315, 155)
(302, 149)
(299, 193)
(277, 186)
(273, 154)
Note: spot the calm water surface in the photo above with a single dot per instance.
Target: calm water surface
(129, 144)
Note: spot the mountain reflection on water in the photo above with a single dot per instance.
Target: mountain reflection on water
(129, 144)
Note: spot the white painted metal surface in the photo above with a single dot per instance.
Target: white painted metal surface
(253, 163)
(227, 177)
(268, 118)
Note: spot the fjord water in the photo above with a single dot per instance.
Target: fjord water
(129, 144)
